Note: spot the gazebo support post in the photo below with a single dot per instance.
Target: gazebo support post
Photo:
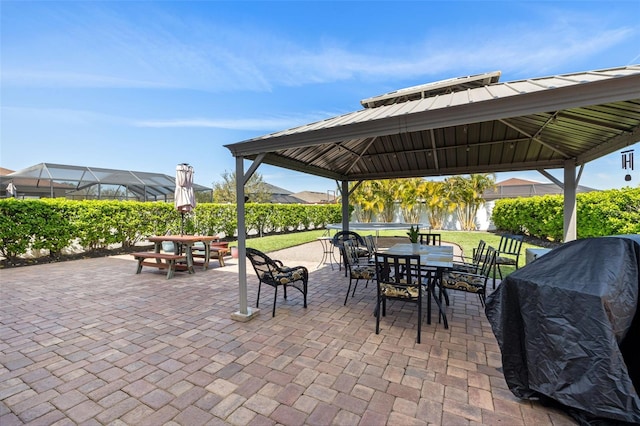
(570, 206)
(345, 204)
(245, 313)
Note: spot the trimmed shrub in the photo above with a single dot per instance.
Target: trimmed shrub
(54, 224)
(599, 213)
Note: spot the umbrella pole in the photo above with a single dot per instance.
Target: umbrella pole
(182, 224)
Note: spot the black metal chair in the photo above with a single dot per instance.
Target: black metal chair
(471, 264)
(273, 273)
(399, 278)
(372, 246)
(470, 282)
(508, 253)
(357, 271)
(430, 239)
(340, 237)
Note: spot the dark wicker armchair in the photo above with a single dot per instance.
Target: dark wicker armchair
(273, 273)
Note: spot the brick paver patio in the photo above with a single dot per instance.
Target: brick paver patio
(91, 342)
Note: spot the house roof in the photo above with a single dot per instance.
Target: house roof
(144, 184)
(312, 197)
(285, 199)
(530, 124)
(517, 181)
(279, 195)
(514, 188)
(276, 189)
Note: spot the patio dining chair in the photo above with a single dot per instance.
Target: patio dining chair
(372, 246)
(399, 278)
(338, 240)
(468, 281)
(508, 253)
(273, 273)
(358, 268)
(430, 239)
(471, 264)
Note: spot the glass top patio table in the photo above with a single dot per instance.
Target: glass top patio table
(430, 256)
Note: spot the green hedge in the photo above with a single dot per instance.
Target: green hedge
(599, 213)
(54, 224)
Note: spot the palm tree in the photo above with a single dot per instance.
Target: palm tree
(376, 198)
(386, 192)
(411, 193)
(436, 203)
(466, 193)
(363, 201)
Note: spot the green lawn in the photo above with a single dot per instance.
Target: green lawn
(468, 240)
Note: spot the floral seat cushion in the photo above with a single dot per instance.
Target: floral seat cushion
(363, 272)
(390, 290)
(285, 275)
(464, 282)
(469, 268)
(503, 260)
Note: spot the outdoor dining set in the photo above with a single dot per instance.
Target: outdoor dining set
(404, 272)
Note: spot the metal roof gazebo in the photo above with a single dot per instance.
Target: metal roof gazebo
(459, 126)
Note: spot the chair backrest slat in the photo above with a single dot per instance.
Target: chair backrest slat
(370, 243)
(430, 239)
(398, 270)
(510, 244)
(488, 260)
(262, 263)
(478, 252)
(350, 252)
(340, 237)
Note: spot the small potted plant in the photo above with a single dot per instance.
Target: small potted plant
(413, 236)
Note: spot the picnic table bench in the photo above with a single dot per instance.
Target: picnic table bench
(162, 261)
(215, 253)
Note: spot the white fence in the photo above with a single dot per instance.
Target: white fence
(451, 223)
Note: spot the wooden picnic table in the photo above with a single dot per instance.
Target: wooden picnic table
(181, 259)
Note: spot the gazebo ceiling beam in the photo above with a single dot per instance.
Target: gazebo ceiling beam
(360, 156)
(549, 120)
(537, 139)
(434, 149)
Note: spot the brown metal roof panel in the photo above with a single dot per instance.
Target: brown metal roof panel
(575, 128)
(376, 113)
(359, 116)
(313, 126)
(408, 107)
(620, 117)
(527, 86)
(431, 89)
(441, 101)
(479, 95)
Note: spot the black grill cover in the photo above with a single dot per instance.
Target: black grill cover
(568, 328)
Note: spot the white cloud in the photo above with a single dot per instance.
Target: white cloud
(167, 53)
(264, 124)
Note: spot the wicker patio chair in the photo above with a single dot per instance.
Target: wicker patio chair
(273, 273)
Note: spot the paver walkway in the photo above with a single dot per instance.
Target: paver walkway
(91, 342)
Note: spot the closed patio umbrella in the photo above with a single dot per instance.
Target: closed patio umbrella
(184, 198)
(12, 191)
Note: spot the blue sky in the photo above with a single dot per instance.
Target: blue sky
(146, 85)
